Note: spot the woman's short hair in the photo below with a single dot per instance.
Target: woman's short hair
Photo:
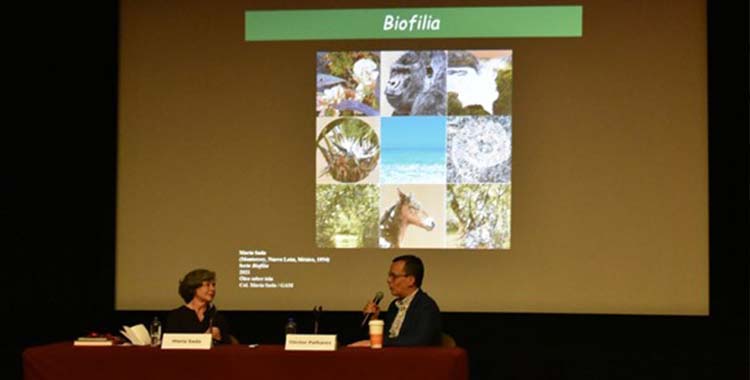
(194, 280)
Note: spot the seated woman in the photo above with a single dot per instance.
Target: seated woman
(198, 314)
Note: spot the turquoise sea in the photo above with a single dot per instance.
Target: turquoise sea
(404, 165)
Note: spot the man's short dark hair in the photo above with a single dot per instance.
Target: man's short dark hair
(194, 280)
(413, 267)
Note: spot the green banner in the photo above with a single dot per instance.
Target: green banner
(469, 22)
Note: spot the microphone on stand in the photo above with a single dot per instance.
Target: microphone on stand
(376, 301)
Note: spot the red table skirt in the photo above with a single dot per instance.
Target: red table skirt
(64, 361)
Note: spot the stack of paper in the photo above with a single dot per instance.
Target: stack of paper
(138, 335)
(92, 341)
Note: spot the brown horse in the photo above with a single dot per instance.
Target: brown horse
(398, 217)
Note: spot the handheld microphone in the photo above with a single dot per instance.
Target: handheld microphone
(376, 301)
(211, 313)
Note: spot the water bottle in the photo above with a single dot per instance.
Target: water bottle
(291, 327)
(155, 332)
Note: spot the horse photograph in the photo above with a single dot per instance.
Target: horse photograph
(421, 206)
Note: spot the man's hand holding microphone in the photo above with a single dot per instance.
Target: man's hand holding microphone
(371, 312)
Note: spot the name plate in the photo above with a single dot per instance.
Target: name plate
(310, 342)
(172, 341)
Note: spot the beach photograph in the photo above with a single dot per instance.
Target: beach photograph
(413, 150)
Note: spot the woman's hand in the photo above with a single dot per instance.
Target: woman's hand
(215, 333)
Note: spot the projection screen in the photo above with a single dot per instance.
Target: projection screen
(531, 173)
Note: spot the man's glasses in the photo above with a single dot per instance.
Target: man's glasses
(393, 276)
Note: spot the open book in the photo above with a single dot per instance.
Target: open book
(138, 335)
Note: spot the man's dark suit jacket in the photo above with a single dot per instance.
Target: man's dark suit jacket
(421, 326)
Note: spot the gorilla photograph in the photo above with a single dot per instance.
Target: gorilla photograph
(413, 83)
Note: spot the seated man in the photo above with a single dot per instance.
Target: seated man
(413, 318)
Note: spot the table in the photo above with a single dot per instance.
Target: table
(64, 361)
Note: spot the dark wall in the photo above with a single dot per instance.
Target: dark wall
(59, 193)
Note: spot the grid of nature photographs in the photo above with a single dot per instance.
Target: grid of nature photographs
(413, 149)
